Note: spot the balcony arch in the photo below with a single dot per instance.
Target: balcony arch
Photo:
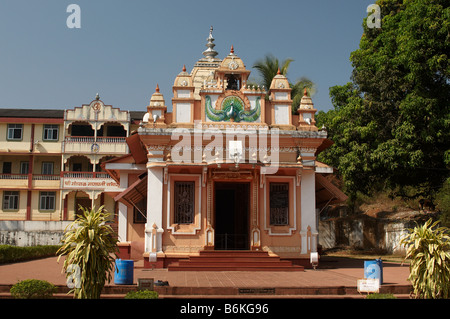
(84, 163)
(80, 128)
(112, 129)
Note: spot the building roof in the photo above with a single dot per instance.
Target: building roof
(32, 113)
(48, 113)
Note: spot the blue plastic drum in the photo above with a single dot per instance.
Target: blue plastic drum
(373, 269)
(123, 274)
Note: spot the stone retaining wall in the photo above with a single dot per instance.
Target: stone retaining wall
(363, 232)
(31, 233)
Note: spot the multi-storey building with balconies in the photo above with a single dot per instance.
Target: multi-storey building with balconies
(50, 161)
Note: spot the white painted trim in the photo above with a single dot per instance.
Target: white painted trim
(126, 166)
(324, 170)
(122, 219)
(122, 222)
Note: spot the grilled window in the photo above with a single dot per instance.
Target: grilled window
(184, 202)
(24, 167)
(279, 203)
(15, 131)
(47, 168)
(51, 132)
(47, 201)
(10, 200)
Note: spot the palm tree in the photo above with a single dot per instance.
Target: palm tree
(268, 67)
(298, 89)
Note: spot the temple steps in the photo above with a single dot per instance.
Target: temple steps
(234, 260)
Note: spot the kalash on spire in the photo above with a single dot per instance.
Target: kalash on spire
(204, 68)
(210, 54)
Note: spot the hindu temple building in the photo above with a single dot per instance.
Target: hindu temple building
(229, 172)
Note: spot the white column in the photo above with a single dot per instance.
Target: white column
(154, 208)
(122, 220)
(123, 211)
(308, 211)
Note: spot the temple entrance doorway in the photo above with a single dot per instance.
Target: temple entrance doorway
(232, 207)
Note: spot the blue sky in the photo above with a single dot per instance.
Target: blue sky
(125, 47)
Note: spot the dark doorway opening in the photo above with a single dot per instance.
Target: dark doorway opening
(84, 202)
(232, 206)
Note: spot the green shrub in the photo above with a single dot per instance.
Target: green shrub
(428, 248)
(90, 244)
(10, 254)
(142, 294)
(33, 289)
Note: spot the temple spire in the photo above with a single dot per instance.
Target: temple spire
(210, 53)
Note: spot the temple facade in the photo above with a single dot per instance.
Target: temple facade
(231, 168)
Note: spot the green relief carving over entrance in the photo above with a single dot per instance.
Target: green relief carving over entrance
(232, 109)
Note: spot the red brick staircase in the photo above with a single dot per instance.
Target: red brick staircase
(234, 260)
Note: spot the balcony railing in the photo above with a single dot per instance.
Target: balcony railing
(90, 144)
(13, 176)
(21, 181)
(91, 139)
(42, 177)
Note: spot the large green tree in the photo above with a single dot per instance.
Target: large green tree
(391, 124)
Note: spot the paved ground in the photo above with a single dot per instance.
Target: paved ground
(332, 272)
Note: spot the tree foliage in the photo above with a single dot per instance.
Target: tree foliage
(443, 202)
(428, 248)
(90, 244)
(268, 68)
(391, 124)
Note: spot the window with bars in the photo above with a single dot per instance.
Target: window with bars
(279, 204)
(184, 202)
(51, 132)
(15, 131)
(47, 168)
(10, 200)
(24, 167)
(47, 200)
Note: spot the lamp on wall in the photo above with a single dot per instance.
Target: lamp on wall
(235, 152)
(314, 259)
